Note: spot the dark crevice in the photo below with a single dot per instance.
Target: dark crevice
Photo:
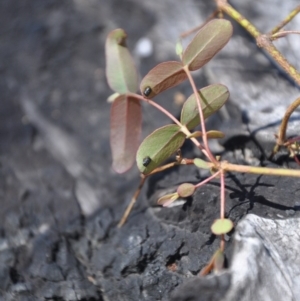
(210, 241)
(14, 275)
(139, 268)
(173, 259)
(53, 254)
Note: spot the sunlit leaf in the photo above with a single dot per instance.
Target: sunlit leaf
(125, 130)
(167, 199)
(179, 48)
(215, 134)
(185, 190)
(120, 70)
(210, 134)
(159, 146)
(162, 77)
(201, 163)
(222, 226)
(212, 99)
(112, 97)
(209, 40)
(195, 134)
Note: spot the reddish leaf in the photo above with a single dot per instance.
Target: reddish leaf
(162, 77)
(120, 70)
(125, 130)
(186, 189)
(209, 40)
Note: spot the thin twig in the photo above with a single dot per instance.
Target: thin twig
(208, 179)
(132, 202)
(282, 34)
(288, 19)
(262, 40)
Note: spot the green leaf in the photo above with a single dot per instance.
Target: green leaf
(125, 130)
(179, 48)
(120, 70)
(159, 146)
(167, 199)
(185, 190)
(215, 134)
(195, 134)
(222, 226)
(162, 77)
(209, 40)
(201, 163)
(212, 99)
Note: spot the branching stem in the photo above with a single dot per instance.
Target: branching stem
(288, 19)
(264, 41)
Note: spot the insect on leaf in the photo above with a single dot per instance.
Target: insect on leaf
(212, 98)
(125, 130)
(209, 40)
(162, 77)
(120, 70)
(158, 147)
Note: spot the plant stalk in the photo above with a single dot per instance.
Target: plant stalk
(132, 202)
(284, 123)
(202, 120)
(260, 170)
(289, 18)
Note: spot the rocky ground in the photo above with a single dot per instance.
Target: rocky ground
(60, 199)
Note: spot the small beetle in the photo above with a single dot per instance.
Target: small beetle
(146, 161)
(147, 91)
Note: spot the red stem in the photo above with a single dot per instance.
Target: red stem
(202, 120)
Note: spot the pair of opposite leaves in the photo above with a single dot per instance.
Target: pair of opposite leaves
(126, 115)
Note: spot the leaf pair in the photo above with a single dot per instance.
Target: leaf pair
(126, 113)
(209, 40)
(165, 141)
